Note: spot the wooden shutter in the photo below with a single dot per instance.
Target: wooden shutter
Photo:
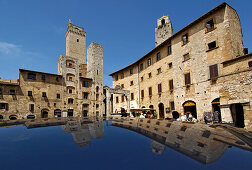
(159, 88)
(171, 84)
(142, 93)
(213, 71)
(150, 91)
(187, 79)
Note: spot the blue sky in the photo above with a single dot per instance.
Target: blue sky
(32, 33)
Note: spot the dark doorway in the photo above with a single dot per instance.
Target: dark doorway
(190, 107)
(175, 115)
(216, 109)
(237, 115)
(70, 112)
(85, 113)
(161, 110)
(1, 116)
(44, 114)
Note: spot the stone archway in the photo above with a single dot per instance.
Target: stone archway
(161, 110)
(216, 109)
(237, 114)
(13, 117)
(190, 107)
(44, 113)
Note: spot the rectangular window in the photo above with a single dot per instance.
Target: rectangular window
(250, 64)
(187, 79)
(131, 71)
(31, 107)
(131, 83)
(97, 106)
(122, 75)
(131, 96)
(213, 71)
(150, 91)
(210, 25)
(141, 78)
(31, 76)
(149, 62)
(117, 99)
(43, 77)
(122, 99)
(169, 50)
(122, 86)
(158, 70)
(142, 93)
(158, 56)
(85, 95)
(185, 38)
(159, 88)
(58, 96)
(171, 84)
(170, 65)
(186, 57)
(149, 75)
(29, 93)
(116, 77)
(212, 45)
(12, 92)
(1, 91)
(43, 94)
(97, 97)
(141, 67)
(70, 101)
(85, 84)
(70, 91)
(172, 105)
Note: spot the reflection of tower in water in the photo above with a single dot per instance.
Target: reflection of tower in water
(157, 148)
(96, 129)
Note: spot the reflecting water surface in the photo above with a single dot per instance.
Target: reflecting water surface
(71, 143)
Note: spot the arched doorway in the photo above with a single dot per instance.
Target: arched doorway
(175, 115)
(216, 109)
(237, 115)
(161, 110)
(13, 117)
(1, 116)
(190, 106)
(70, 112)
(44, 113)
(57, 113)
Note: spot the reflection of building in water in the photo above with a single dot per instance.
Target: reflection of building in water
(96, 129)
(198, 141)
(157, 148)
(80, 130)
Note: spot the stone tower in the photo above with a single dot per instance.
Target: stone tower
(163, 30)
(95, 71)
(76, 42)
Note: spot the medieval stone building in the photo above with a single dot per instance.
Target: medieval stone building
(75, 91)
(202, 68)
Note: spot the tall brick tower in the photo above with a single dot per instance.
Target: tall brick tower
(76, 42)
(163, 30)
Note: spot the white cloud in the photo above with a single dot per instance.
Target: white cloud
(8, 48)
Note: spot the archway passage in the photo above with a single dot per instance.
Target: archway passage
(44, 114)
(216, 109)
(190, 107)
(161, 110)
(1, 116)
(70, 112)
(175, 115)
(237, 115)
(13, 117)
(57, 113)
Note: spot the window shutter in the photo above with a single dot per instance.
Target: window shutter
(171, 84)
(187, 79)
(213, 71)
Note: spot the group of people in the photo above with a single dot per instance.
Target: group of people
(186, 117)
